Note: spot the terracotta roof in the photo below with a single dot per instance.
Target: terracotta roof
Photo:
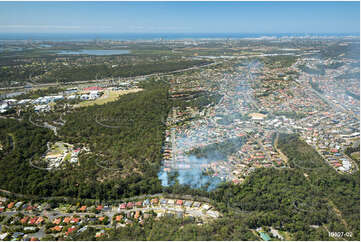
(57, 221)
(93, 89)
(75, 220)
(83, 208)
(33, 220)
(129, 205)
(72, 229)
(40, 219)
(11, 205)
(56, 228)
(66, 220)
(24, 220)
(137, 214)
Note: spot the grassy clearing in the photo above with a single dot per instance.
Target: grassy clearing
(108, 96)
(356, 155)
(67, 157)
(57, 149)
(286, 235)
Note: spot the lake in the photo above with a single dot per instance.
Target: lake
(94, 52)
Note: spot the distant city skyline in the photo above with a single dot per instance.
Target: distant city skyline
(179, 17)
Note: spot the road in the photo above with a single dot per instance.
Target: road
(107, 80)
(45, 125)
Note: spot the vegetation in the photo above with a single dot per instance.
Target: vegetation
(168, 228)
(343, 191)
(218, 150)
(279, 61)
(197, 99)
(352, 150)
(132, 152)
(96, 71)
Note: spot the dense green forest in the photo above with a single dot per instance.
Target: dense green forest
(134, 149)
(341, 190)
(169, 228)
(198, 99)
(26, 140)
(91, 72)
(293, 199)
(280, 61)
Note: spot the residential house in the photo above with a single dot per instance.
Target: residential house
(130, 205)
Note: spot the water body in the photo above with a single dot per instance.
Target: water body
(45, 45)
(11, 49)
(94, 52)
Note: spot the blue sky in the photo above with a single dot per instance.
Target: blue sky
(179, 17)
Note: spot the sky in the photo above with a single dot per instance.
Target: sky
(179, 17)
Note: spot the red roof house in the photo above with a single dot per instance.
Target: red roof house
(70, 230)
(24, 220)
(93, 89)
(129, 205)
(179, 202)
(137, 214)
(67, 220)
(101, 219)
(57, 221)
(32, 220)
(83, 208)
(57, 228)
(75, 220)
(11, 205)
(39, 220)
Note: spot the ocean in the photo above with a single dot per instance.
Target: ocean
(154, 36)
